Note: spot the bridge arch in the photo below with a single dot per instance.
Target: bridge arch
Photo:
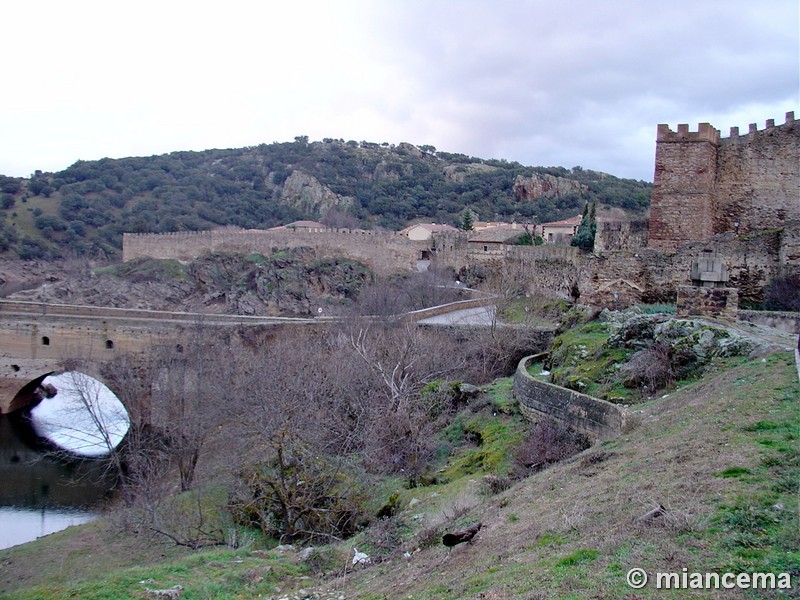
(25, 394)
(83, 415)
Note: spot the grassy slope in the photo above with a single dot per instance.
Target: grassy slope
(720, 454)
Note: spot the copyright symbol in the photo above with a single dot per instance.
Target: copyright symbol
(637, 578)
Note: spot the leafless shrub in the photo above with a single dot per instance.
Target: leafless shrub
(650, 369)
(495, 485)
(428, 536)
(548, 442)
(385, 535)
(781, 293)
(299, 495)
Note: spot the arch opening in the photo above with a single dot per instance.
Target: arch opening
(74, 412)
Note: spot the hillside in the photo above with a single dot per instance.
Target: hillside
(719, 454)
(83, 210)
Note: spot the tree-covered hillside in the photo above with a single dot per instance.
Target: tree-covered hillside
(83, 210)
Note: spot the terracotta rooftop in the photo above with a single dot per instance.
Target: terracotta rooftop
(564, 222)
(497, 234)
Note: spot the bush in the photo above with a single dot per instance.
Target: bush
(299, 495)
(549, 442)
(651, 369)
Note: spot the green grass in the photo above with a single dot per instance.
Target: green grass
(722, 453)
(533, 311)
(208, 574)
(582, 361)
(497, 437)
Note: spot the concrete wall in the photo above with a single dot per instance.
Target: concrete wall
(596, 418)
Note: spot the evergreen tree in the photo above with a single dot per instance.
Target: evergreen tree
(584, 237)
(467, 219)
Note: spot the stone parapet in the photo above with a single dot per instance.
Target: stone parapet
(783, 320)
(599, 419)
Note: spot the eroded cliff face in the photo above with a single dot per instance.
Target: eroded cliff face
(306, 194)
(546, 186)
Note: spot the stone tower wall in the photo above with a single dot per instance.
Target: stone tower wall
(706, 185)
(683, 186)
(758, 185)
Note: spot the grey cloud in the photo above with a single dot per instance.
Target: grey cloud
(566, 78)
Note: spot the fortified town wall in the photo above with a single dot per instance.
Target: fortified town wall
(737, 197)
(706, 185)
(384, 253)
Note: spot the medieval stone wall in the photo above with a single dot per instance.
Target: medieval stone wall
(685, 168)
(384, 253)
(619, 279)
(620, 235)
(706, 185)
(758, 180)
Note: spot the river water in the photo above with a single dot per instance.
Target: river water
(41, 491)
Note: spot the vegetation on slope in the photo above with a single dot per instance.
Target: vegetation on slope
(720, 455)
(84, 209)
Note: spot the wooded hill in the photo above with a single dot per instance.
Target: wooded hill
(83, 210)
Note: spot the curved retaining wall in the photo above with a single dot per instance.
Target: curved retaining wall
(599, 419)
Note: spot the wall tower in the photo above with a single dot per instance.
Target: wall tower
(682, 207)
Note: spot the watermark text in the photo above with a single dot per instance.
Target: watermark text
(689, 580)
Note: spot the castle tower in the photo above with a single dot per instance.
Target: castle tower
(682, 207)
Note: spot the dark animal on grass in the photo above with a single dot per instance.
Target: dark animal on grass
(459, 537)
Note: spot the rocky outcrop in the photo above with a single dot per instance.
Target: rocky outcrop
(459, 173)
(306, 194)
(291, 282)
(546, 186)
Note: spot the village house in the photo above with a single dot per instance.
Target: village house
(425, 231)
(560, 232)
(491, 242)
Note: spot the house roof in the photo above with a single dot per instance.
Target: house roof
(481, 225)
(432, 227)
(564, 222)
(497, 234)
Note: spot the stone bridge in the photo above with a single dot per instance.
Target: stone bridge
(38, 339)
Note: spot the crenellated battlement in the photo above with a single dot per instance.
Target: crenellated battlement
(739, 184)
(753, 128)
(705, 133)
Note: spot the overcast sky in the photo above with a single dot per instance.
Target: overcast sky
(541, 82)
